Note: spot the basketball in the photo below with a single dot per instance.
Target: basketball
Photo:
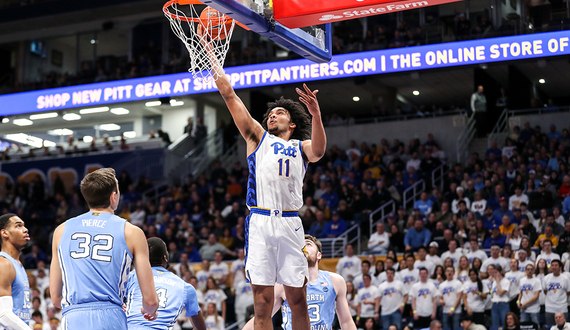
(216, 23)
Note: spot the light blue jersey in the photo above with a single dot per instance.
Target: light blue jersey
(20, 290)
(321, 301)
(174, 295)
(94, 260)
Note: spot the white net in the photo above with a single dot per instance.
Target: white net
(198, 28)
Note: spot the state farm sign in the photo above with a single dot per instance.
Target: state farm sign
(301, 13)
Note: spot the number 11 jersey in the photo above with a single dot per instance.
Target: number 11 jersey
(94, 259)
(276, 173)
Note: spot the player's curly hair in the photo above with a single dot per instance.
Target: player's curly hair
(299, 116)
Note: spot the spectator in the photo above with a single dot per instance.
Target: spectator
(557, 288)
(422, 262)
(503, 209)
(499, 297)
(547, 236)
(335, 227)
(561, 324)
(424, 300)
(424, 204)
(208, 251)
(418, 236)
(368, 300)
(517, 198)
(349, 266)
(450, 299)
(392, 298)
(528, 298)
(478, 100)
(495, 238)
(547, 253)
(494, 260)
(379, 242)
(479, 204)
(318, 226)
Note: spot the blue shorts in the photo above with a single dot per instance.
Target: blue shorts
(94, 316)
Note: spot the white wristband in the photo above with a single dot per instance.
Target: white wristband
(7, 317)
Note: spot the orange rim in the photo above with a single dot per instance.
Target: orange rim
(187, 19)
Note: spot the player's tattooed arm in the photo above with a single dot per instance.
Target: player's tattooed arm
(314, 148)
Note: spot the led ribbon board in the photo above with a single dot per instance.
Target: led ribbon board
(297, 71)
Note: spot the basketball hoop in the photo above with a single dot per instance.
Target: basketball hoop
(216, 31)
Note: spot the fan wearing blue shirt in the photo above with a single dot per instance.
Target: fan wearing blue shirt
(174, 294)
(424, 204)
(335, 227)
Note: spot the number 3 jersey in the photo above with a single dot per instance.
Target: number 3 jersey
(321, 302)
(174, 295)
(276, 172)
(94, 259)
(20, 291)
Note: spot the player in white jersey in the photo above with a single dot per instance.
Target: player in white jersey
(278, 150)
(326, 293)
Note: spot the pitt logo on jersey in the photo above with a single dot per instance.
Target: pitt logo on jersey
(279, 148)
(526, 288)
(447, 291)
(554, 287)
(423, 292)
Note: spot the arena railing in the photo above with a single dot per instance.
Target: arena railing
(383, 211)
(500, 131)
(438, 174)
(335, 247)
(402, 117)
(415, 190)
(465, 138)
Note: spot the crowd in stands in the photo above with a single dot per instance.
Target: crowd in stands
(493, 245)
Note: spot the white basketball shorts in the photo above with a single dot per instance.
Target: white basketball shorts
(275, 248)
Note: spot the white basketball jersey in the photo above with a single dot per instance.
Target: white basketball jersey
(276, 172)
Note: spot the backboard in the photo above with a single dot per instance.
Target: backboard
(313, 43)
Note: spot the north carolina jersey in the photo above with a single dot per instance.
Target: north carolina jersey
(174, 295)
(94, 259)
(276, 173)
(321, 301)
(20, 290)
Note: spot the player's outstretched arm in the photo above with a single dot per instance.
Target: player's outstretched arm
(249, 128)
(55, 279)
(136, 241)
(342, 310)
(315, 148)
(8, 319)
(277, 302)
(198, 321)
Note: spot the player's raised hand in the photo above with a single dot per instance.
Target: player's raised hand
(149, 316)
(309, 98)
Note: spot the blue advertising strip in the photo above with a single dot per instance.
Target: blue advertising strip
(276, 73)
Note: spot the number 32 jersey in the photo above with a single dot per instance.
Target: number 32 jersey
(276, 172)
(321, 302)
(94, 259)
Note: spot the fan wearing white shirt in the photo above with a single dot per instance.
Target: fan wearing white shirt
(379, 242)
(236, 267)
(495, 260)
(475, 252)
(450, 298)
(424, 301)
(393, 297)
(556, 286)
(514, 276)
(368, 301)
(409, 277)
(349, 265)
(453, 253)
(389, 263)
(475, 297)
(528, 301)
(499, 297)
(358, 281)
(518, 198)
(220, 270)
(202, 275)
(522, 257)
(547, 253)
(479, 205)
(422, 262)
(432, 256)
